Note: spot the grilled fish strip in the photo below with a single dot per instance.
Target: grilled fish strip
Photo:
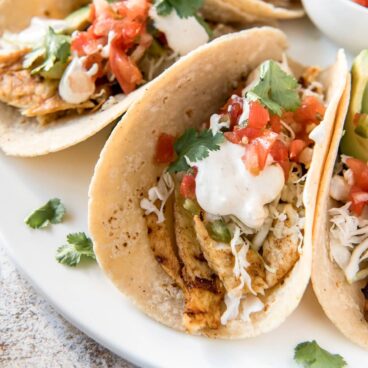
(204, 292)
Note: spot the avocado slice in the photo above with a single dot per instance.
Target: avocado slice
(78, 20)
(355, 140)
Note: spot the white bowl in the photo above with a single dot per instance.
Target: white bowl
(344, 21)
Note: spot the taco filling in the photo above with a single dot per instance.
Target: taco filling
(234, 189)
(55, 67)
(349, 186)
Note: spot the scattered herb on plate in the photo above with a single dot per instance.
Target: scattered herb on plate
(79, 245)
(310, 355)
(52, 212)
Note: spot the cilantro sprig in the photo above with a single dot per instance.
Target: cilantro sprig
(194, 146)
(184, 8)
(78, 247)
(310, 355)
(275, 89)
(52, 212)
(57, 52)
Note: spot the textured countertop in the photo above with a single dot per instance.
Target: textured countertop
(33, 334)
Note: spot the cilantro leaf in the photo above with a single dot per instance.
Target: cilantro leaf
(52, 212)
(57, 48)
(184, 8)
(79, 245)
(275, 89)
(310, 355)
(194, 146)
(163, 7)
(205, 25)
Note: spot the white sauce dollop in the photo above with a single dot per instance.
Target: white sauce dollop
(225, 187)
(183, 34)
(76, 84)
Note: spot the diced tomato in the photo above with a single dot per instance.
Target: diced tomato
(235, 110)
(165, 152)
(125, 71)
(188, 186)
(311, 111)
(279, 151)
(296, 147)
(288, 117)
(358, 200)
(251, 159)
(258, 115)
(360, 172)
(275, 122)
(237, 135)
(127, 20)
(280, 154)
(256, 152)
(86, 43)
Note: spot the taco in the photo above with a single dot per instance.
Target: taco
(202, 201)
(340, 266)
(63, 80)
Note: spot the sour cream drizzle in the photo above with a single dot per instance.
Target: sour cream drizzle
(183, 34)
(225, 187)
(76, 84)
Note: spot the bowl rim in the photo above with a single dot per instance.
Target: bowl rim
(355, 5)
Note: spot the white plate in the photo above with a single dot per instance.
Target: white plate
(86, 298)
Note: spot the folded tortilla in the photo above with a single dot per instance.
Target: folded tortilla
(342, 302)
(184, 96)
(24, 136)
(274, 9)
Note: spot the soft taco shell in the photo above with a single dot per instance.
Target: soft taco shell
(267, 9)
(185, 96)
(26, 137)
(342, 302)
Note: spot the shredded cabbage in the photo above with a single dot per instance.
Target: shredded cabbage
(216, 124)
(250, 304)
(161, 192)
(234, 296)
(349, 242)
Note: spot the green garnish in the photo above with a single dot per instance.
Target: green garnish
(204, 24)
(156, 50)
(184, 8)
(310, 355)
(52, 212)
(194, 146)
(354, 142)
(79, 245)
(275, 89)
(362, 126)
(191, 206)
(219, 231)
(57, 49)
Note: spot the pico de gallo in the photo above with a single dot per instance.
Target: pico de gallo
(240, 182)
(103, 49)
